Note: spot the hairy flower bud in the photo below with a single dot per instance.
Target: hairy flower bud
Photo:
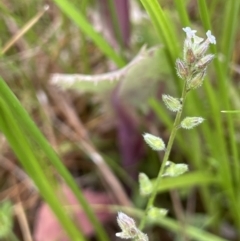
(182, 69)
(156, 213)
(145, 184)
(190, 57)
(128, 226)
(205, 61)
(173, 170)
(191, 122)
(172, 103)
(202, 49)
(129, 229)
(156, 143)
(196, 81)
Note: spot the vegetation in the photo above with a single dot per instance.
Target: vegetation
(82, 85)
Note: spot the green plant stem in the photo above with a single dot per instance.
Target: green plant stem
(165, 159)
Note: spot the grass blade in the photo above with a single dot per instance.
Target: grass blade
(31, 129)
(163, 28)
(30, 162)
(77, 17)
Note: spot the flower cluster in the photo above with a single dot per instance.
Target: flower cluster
(194, 64)
(129, 229)
(191, 69)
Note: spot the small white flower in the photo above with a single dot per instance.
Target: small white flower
(189, 32)
(211, 38)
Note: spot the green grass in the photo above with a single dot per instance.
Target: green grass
(212, 151)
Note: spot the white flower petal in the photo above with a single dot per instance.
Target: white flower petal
(211, 38)
(189, 32)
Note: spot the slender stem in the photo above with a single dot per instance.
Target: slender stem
(165, 159)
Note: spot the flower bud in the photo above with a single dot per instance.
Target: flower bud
(190, 57)
(129, 229)
(173, 170)
(202, 49)
(191, 122)
(196, 81)
(182, 69)
(145, 184)
(156, 213)
(156, 143)
(128, 226)
(205, 61)
(172, 103)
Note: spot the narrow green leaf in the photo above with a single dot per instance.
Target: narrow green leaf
(32, 131)
(23, 150)
(78, 18)
(181, 8)
(187, 180)
(222, 100)
(164, 30)
(231, 111)
(230, 28)
(193, 232)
